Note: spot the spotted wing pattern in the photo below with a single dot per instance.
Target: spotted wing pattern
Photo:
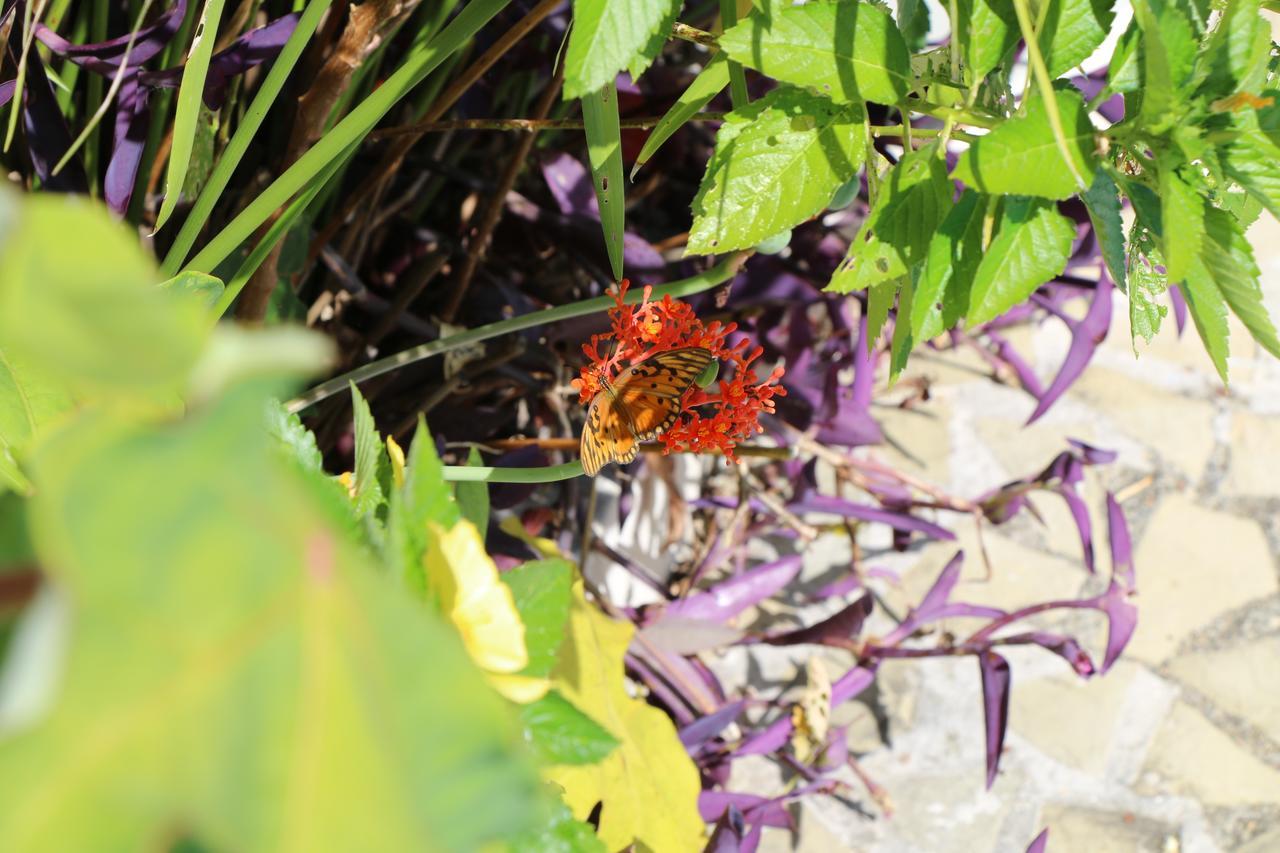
(646, 401)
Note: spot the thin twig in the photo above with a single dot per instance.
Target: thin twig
(522, 124)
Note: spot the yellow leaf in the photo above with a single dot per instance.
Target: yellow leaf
(521, 689)
(546, 548)
(465, 578)
(648, 785)
(396, 454)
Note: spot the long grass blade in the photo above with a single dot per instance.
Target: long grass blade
(353, 128)
(190, 93)
(604, 150)
(709, 83)
(245, 132)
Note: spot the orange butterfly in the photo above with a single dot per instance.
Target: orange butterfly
(643, 401)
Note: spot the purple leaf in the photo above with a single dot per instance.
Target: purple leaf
(995, 704)
(1121, 544)
(1006, 353)
(727, 599)
(570, 185)
(132, 118)
(1092, 455)
(6, 91)
(104, 57)
(1179, 303)
(1086, 334)
(768, 812)
(727, 836)
(48, 138)
(1040, 843)
(1122, 620)
(940, 593)
(705, 728)
(1080, 512)
(837, 630)
(1064, 647)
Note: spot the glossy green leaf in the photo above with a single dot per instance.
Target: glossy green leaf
(1022, 157)
(86, 309)
(370, 458)
(604, 150)
(914, 198)
(942, 292)
(1182, 220)
(879, 302)
(709, 83)
(186, 119)
(1228, 259)
(1252, 157)
(1208, 311)
(988, 32)
(776, 163)
(541, 590)
(1168, 55)
(237, 667)
(561, 734)
(1032, 246)
(1072, 31)
(850, 51)
(608, 37)
(1103, 204)
(1238, 51)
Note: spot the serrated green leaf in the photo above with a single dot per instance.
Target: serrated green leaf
(473, 497)
(1126, 70)
(562, 734)
(850, 51)
(1147, 286)
(559, 832)
(879, 302)
(298, 441)
(1072, 30)
(1103, 203)
(914, 197)
(942, 295)
(777, 162)
(1208, 311)
(1252, 158)
(1237, 52)
(988, 32)
(1032, 246)
(371, 458)
(608, 37)
(1022, 157)
(1228, 259)
(604, 151)
(913, 22)
(542, 593)
(1182, 218)
(224, 631)
(1168, 51)
(709, 83)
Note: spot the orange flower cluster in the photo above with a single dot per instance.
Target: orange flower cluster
(712, 421)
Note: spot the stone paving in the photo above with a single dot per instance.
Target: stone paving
(1178, 747)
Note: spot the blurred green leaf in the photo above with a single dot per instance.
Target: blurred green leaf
(1237, 52)
(78, 297)
(777, 162)
(372, 465)
(1031, 246)
(298, 441)
(608, 37)
(473, 498)
(1022, 157)
(237, 667)
(202, 287)
(559, 833)
(851, 52)
(541, 590)
(903, 341)
(1253, 157)
(561, 734)
(29, 403)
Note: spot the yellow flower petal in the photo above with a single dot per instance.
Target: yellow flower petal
(546, 548)
(521, 689)
(480, 605)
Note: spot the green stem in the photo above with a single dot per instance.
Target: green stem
(488, 474)
(737, 77)
(718, 274)
(1045, 83)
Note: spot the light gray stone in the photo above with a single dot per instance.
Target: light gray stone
(1191, 757)
(1244, 681)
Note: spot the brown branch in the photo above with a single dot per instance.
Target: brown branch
(524, 124)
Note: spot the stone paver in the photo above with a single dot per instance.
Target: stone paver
(1192, 757)
(1255, 455)
(1243, 680)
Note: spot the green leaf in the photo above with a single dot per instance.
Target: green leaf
(1208, 310)
(850, 51)
(608, 37)
(187, 115)
(777, 162)
(78, 298)
(914, 197)
(942, 294)
(29, 404)
(1103, 204)
(1228, 259)
(298, 441)
(473, 498)
(203, 288)
(424, 499)
(1237, 52)
(1126, 71)
(604, 150)
(1022, 157)
(561, 734)
(913, 22)
(1182, 220)
(1031, 247)
(988, 31)
(1252, 158)
(709, 83)
(236, 667)
(1147, 286)
(371, 458)
(559, 832)
(903, 341)
(1168, 51)
(541, 590)
(879, 302)
(1072, 30)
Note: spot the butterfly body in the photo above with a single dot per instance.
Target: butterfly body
(643, 401)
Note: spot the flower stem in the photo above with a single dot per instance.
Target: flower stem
(718, 274)
(489, 474)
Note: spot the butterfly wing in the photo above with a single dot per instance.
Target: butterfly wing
(646, 401)
(607, 436)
